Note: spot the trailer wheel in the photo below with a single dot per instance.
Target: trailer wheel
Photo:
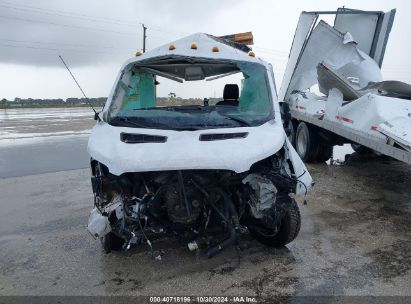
(306, 142)
(360, 149)
(111, 242)
(291, 136)
(325, 152)
(289, 229)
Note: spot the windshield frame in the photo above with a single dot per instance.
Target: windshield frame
(160, 59)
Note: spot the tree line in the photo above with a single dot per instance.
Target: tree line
(59, 102)
(96, 102)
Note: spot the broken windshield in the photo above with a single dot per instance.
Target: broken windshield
(203, 94)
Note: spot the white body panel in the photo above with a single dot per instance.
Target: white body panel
(362, 120)
(385, 30)
(369, 30)
(183, 150)
(361, 26)
(304, 26)
(399, 130)
(325, 43)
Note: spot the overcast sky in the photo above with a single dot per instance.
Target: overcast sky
(96, 36)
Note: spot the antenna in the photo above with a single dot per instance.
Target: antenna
(144, 37)
(88, 100)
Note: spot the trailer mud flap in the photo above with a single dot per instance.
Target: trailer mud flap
(398, 131)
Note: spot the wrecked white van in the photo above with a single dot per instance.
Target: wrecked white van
(202, 170)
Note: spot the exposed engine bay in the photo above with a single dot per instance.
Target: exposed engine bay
(205, 209)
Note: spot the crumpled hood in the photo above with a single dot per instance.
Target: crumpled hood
(183, 150)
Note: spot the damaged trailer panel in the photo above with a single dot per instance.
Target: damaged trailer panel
(370, 30)
(354, 104)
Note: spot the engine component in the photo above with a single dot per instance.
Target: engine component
(176, 207)
(98, 224)
(263, 196)
(207, 210)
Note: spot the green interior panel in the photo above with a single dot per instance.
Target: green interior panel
(140, 93)
(254, 95)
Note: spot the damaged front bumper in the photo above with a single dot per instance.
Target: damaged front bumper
(206, 209)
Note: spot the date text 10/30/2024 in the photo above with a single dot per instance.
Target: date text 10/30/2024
(204, 299)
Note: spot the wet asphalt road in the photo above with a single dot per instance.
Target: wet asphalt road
(34, 141)
(355, 240)
(58, 154)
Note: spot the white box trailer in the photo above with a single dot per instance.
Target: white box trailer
(334, 90)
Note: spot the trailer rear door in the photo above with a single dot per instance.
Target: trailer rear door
(369, 29)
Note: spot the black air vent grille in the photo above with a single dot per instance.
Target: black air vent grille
(222, 136)
(130, 138)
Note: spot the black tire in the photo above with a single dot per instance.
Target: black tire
(111, 242)
(292, 128)
(306, 142)
(361, 149)
(289, 229)
(325, 152)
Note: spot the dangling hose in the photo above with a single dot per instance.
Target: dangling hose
(234, 217)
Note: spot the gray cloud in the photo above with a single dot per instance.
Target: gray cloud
(96, 64)
(95, 32)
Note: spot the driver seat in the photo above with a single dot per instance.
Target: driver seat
(230, 95)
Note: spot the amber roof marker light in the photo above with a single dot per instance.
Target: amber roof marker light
(171, 47)
(193, 46)
(215, 49)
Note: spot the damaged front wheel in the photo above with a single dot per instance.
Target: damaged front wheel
(289, 227)
(111, 242)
